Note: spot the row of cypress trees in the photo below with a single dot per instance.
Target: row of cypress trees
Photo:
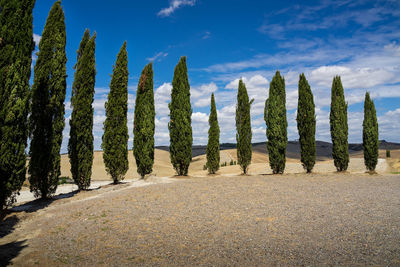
(45, 102)
(276, 122)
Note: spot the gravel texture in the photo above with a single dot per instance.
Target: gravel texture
(332, 219)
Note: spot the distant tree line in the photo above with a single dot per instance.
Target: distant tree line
(38, 111)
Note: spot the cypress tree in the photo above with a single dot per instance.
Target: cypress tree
(80, 145)
(243, 128)
(370, 134)
(275, 119)
(338, 125)
(180, 124)
(306, 124)
(115, 136)
(16, 46)
(47, 115)
(143, 125)
(16, 41)
(212, 150)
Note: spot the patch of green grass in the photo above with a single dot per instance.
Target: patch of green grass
(105, 228)
(395, 172)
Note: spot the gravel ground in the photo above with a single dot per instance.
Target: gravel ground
(332, 219)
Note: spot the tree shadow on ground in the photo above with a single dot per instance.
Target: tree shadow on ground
(8, 225)
(10, 250)
(39, 204)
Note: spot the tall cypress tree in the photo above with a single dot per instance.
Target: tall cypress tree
(80, 145)
(243, 128)
(370, 134)
(212, 150)
(275, 119)
(115, 137)
(143, 125)
(16, 46)
(306, 124)
(180, 124)
(47, 115)
(338, 125)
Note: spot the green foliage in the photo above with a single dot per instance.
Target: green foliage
(212, 150)
(65, 180)
(115, 136)
(16, 46)
(388, 153)
(80, 146)
(275, 119)
(47, 116)
(306, 124)
(16, 41)
(180, 124)
(243, 127)
(143, 125)
(339, 127)
(370, 134)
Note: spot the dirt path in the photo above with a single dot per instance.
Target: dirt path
(239, 220)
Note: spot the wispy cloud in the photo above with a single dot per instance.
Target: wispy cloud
(328, 16)
(157, 57)
(206, 35)
(174, 5)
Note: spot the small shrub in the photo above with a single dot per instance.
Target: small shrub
(388, 153)
(204, 167)
(64, 180)
(231, 163)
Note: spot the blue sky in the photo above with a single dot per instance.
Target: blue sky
(228, 40)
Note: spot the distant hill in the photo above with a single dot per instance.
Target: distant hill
(324, 149)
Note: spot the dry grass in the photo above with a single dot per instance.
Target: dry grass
(330, 219)
(162, 165)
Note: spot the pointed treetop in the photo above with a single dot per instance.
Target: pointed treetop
(367, 96)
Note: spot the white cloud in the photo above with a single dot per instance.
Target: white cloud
(101, 90)
(204, 89)
(36, 39)
(199, 117)
(257, 89)
(200, 95)
(389, 125)
(279, 59)
(254, 85)
(162, 97)
(366, 77)
(174, 5)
